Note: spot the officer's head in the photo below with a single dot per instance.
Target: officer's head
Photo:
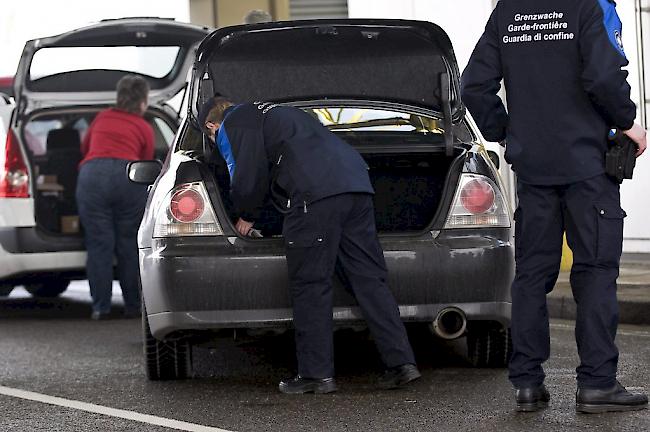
(257, 16)
(211, 114)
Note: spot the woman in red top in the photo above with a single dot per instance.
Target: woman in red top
(111, 207)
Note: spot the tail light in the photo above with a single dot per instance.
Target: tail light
(186, 211)
(187, 205)
(478, 203)
(14, 176)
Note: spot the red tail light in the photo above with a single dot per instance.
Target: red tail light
(14, 177)
(477, 196)
(186, 205)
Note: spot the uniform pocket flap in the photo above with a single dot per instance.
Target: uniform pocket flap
(609, 211)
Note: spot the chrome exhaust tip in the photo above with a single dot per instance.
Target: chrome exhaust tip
(450, 323)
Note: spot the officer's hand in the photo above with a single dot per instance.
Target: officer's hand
(243, 227)
(638, 135)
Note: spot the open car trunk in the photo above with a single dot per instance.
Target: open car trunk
(390, 88)
(408, 185)
(53, 140)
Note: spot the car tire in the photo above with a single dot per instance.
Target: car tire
(165, 360)
(47, 288)
(489, 347)
(5, 289)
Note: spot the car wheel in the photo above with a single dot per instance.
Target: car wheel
(47, 288)
(489, 347)
(165, 360)
(5, 289)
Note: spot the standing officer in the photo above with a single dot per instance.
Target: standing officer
(329, 217)
(561, 61)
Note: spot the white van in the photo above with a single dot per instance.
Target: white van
(61, 83)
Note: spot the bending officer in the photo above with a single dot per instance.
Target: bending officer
(330, 217)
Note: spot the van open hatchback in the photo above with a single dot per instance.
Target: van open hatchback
(61, 83)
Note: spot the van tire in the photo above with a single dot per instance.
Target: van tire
(165, 360)
(48, 288)
(489, 347)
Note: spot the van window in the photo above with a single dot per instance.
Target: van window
(156, 62)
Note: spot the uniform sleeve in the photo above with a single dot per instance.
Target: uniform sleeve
(148, 149)
(603, 58)
(245, 155)
(481, 82)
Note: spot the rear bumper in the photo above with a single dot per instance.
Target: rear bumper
(166, 323)
(17, 268)
(203, 284)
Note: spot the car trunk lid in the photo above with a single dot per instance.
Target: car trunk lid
(82, 67)
(407, 62)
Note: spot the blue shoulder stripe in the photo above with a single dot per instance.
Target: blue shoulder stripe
(613, 25)
(223, 144)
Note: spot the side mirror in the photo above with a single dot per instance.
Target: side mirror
(494, 157)
(144, 171)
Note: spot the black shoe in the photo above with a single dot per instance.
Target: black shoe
(300, 385)
(530, 399)
(99, 316)
(399, 376)
(615, 398)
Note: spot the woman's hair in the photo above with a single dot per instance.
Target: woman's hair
(132, 90)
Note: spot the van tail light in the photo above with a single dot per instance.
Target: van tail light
(186, 211)
(14, 176)
(478, 203)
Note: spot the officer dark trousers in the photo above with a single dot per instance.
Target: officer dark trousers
(591, 214)
(340, 227)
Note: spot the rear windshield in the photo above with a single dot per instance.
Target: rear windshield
(37, 131)
(155, 62)
(371, 119)
(359, 123)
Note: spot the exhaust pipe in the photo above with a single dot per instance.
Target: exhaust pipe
(450, 323)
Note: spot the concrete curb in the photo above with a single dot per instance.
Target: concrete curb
(633, 302)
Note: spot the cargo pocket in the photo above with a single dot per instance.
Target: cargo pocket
(305, 258)
(610, 234)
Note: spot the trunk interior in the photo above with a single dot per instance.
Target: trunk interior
(53, 140)
(408, 191)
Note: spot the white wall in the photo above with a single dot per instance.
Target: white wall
(634, 195)
(23, 20)
(464, 21)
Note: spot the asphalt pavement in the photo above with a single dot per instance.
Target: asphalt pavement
(51, 349)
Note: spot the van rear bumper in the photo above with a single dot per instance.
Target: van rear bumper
(19, 267)
(30, 240)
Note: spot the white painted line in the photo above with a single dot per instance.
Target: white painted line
(618, 333)
(111, 412)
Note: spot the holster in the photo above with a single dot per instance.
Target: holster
(620, 159)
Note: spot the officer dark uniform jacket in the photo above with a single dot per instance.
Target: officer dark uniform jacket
(561, 63)
(327, 198)
(264, 142)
